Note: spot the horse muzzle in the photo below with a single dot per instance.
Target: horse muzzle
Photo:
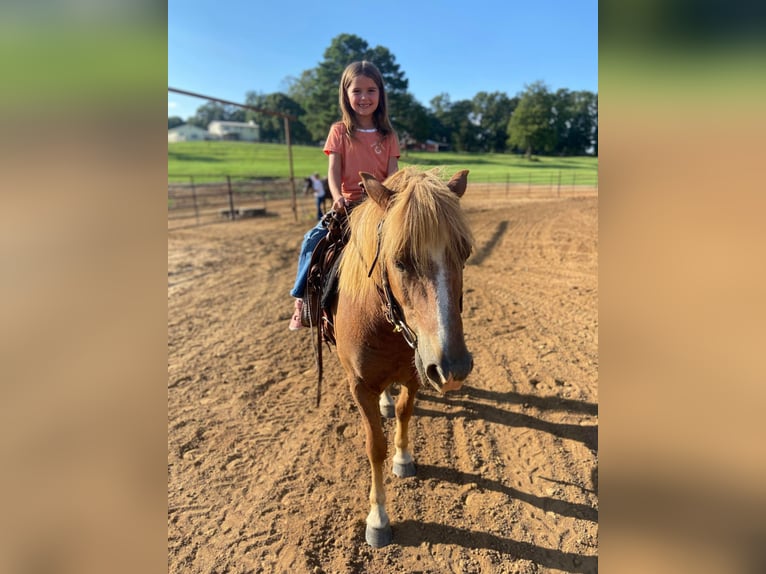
(449, 375)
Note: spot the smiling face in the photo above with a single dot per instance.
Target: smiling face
(363, 96)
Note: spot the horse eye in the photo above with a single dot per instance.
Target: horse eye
(400, 265)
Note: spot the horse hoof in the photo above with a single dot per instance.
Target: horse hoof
(388, 411)
(378, 537)
(404, 470)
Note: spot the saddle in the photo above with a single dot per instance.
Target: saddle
(322, 284)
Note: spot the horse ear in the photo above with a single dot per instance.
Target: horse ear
(378, 192)
(459, 182)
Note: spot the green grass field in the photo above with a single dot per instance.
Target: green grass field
(212, 161)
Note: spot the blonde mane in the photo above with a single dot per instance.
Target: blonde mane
(423, 214)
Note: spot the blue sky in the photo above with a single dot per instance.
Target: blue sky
(226, 48)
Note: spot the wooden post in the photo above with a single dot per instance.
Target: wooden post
(292, 175)
(231, 198)
(194, 198)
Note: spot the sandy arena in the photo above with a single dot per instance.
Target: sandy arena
(261, 480)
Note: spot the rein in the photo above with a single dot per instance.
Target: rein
(393, 311)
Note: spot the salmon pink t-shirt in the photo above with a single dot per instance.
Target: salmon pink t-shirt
(365, 151)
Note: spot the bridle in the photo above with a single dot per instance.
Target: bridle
(392, 309)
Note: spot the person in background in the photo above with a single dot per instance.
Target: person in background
(363, 140)
(319, 193)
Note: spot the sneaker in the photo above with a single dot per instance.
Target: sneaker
(295, 321)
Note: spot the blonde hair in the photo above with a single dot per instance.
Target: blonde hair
(380, 115)
(422, 212)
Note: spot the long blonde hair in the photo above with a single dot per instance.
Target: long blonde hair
(380, 115)
(423, 212)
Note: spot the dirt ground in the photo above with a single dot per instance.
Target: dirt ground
(261, 480)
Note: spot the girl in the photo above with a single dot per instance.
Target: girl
(363, 141)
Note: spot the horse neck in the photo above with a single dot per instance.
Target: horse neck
(360, 270)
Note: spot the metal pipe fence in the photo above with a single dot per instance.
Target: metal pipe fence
(196, 200)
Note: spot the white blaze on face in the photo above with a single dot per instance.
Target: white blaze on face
(442, 296)
(443, 299)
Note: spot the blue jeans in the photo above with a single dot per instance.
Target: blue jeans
(320, 204)
(310, 241)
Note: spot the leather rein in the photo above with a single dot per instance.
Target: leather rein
(393, 311)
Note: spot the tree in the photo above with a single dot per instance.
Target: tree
(412, 122)
(594, 135)
(174, 121)
(303, 91)
(584, 131)
(463, 126)
(455, 123)
(562, 114)
(530, 128)
(213, 111)
(492, 112)
(575, 117)
(272, 128)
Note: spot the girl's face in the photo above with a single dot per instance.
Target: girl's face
(363, 95)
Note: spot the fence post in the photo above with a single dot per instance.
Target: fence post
(231, 198)
(290, 159)
(194, 199)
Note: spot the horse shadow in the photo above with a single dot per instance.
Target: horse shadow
(558, 506)
(414, 533)
(472, 410)
(487, 249)
(542, 403)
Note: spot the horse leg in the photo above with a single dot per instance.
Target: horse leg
(403, 463)
(386, 404)
(378, 531)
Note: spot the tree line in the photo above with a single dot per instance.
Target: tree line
(535, 121)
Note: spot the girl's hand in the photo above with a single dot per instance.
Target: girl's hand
(338, 203)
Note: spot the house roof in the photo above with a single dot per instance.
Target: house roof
(225, 123)
(186, 127)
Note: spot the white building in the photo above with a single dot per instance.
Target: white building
(186, 133)
(249, 131)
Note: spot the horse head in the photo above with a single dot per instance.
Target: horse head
(423, 243)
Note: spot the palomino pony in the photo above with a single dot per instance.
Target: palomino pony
(403, 266)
